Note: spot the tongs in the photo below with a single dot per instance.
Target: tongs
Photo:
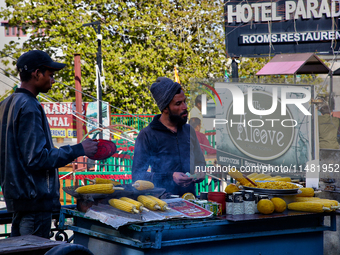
(217, 178)
(238, 175)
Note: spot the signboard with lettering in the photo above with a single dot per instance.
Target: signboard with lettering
(62, 122)
(262, 27)
(271, 125)
(92, 118)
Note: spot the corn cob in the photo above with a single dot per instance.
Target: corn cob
(261, 176)
(316, 199)
(161, 203)
(306, 192)
(138, 204)
(148, 203)
(123, 205)
(308, 207)
(306, 199)
(324, 202)
(272, 179)
(104, 181)
(253, 175)
(284, 179)
(333, 204)
(143, 185)
(238, 176)
(97, 188)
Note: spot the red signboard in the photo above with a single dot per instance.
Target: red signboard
(61, 120)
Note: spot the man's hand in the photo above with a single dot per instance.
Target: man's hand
(90, 147)
(199, 177)
(182, 179)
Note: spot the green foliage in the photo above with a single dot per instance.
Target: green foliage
(142, 40)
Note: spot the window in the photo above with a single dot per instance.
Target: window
(12, 31)
(6, 30)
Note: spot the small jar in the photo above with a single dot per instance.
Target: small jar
(238, 206)
(229, 203)
(249, 202)
(256, 197)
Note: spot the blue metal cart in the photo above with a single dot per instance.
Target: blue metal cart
(277, 234)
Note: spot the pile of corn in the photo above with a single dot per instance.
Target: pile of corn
(273, 185)
(306, 202)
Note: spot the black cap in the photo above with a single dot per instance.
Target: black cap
(34, 59)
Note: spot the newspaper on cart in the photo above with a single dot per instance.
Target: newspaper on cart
(179, 208)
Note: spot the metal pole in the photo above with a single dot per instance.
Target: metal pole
(97, 27)
(79, 103)
(313, 125)
(77, 73)
(330, 101)
(99, 63)
(234, 70)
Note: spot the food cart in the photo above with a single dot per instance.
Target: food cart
(286, 233)
(290, 232)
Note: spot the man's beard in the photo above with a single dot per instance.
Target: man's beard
(178, 119)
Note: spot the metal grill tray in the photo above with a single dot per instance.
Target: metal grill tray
(128, 191)
(275, 191)
(286, 192)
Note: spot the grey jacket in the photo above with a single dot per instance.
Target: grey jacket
(28, 160)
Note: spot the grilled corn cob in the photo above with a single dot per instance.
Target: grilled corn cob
(148, 203)
(333, 204)
(253, 175)
(161, 203)
(308, 207)
(123, 205)
(306, 199)
(238, 176)
(284, 179)
(143, 185)
(139, 205)
(259, 176)
(263, 178)
(306, 192)
(104, 181)
(97, 188)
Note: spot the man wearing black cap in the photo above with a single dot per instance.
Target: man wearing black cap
(29, 162)
(168, 145)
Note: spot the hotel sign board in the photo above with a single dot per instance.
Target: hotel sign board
(254, 28)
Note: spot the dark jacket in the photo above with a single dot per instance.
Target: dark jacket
(29, 161)
(166, 152)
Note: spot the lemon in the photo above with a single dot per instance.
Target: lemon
(279, 204)
(265, 206)
(188, 196)
(231, 188)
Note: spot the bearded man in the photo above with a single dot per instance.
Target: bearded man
(168, 146)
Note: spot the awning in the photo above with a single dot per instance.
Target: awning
(336, 72)
(298, 63)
